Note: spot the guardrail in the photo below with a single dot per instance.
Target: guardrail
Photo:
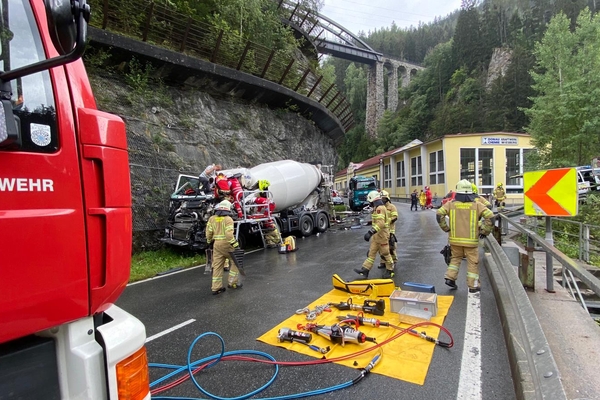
(164, 27)
(570, 268)
(534, 371)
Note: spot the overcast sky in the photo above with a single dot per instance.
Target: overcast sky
(368, 15)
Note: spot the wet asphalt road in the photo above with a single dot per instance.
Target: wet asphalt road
(276, 285)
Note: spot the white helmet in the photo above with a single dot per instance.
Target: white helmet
(373, 195)
(225, 205)
(464, 187)
(385, 194)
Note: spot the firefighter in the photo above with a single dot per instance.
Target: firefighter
(464, 214)
(381, 241)
(480, 199)
(220, 237)
(207, 177)
(499, 196)
(393, 215)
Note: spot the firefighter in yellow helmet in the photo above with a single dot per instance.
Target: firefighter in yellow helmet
(464, 214)
(499, 196)
(393, 215)
(220, 236)
(380, 232)
(480, 199)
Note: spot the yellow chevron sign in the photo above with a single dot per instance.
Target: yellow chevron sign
(551, 192)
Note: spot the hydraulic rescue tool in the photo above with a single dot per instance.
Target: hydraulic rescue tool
(341, 334)
(376, 307)
(292, 336)
(360, 320)
(311, 315)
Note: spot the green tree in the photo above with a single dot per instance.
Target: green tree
(565, 115)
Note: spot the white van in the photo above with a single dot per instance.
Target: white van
(587, 179)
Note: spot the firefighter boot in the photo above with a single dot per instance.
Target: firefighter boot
(451, 283)
(388, 274)
(381, 266)
(363, 272)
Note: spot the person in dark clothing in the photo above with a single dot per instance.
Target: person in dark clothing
(414, 200)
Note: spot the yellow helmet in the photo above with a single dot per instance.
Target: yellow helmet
(499, 184)
(464, 187)
(385, 194)
(373, 195)
(225, 205)
(263, 184)
(475, 189)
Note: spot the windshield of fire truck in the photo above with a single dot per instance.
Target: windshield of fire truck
(32, 95)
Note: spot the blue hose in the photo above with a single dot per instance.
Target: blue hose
(214, 359)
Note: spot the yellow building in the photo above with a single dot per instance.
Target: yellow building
(483, 158)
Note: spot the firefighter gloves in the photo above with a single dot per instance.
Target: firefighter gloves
(370, 233)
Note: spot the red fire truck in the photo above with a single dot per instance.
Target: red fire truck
(65, 218)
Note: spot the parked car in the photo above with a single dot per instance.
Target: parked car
(336, 198)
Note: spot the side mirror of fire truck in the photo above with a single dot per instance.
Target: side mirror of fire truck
(67, 25)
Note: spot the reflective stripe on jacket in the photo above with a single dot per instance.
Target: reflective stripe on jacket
(464, 222)
(220, 227)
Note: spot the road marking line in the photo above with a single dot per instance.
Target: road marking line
(170, 330)
(469, 384)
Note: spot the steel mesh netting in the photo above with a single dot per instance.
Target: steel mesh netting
(152, 179)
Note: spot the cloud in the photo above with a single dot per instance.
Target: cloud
(369, 15)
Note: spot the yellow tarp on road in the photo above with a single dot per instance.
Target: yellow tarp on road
(406, 358)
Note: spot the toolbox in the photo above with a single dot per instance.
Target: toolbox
(418, 287)
(416, 300)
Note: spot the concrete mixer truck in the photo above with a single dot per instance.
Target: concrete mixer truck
(301, 194)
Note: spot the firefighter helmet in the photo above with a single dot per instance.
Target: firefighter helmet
(263, 185)
(373, 195)
(464, 187)
(385, 194)
(475, 189)
(225, 205)
(499, 184)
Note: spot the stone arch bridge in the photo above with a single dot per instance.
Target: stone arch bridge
(329, 37)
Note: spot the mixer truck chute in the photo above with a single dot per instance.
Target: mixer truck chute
(301, 193)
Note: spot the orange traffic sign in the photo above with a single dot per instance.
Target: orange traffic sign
(551, 192)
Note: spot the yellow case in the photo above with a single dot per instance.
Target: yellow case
(367, 287)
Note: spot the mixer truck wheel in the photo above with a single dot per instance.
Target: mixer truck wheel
(322, 222)
(306, 225)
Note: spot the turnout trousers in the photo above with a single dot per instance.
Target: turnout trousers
(384, 252)
(472, 256)
(221, 253)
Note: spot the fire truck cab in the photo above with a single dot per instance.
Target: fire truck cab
(65, 218)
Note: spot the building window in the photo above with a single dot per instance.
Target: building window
(400, 174)
(485, 165)
(515, 163)
(416, 171)
(387, 176)
(477, 166)
(436, 168)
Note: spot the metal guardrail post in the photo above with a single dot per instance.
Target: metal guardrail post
(549, 258)
(585, 243)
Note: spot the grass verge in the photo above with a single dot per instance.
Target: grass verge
(149, 263)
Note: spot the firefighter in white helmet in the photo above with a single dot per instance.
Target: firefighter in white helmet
(380, 231)
(393, 215)
(220, 236)
(464, 214)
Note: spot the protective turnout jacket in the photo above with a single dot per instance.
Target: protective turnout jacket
(220, 227)
(464, 222)
(392, 215)
(499, 194)
(381, 224)
(483, 201)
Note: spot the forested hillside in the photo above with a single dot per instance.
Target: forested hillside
(548, 88)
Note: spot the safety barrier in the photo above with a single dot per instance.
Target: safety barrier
(161, 25)
(534, 371)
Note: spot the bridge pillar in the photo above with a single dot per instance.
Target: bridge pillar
(406, 78)
(392, 104)
(375, 98)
